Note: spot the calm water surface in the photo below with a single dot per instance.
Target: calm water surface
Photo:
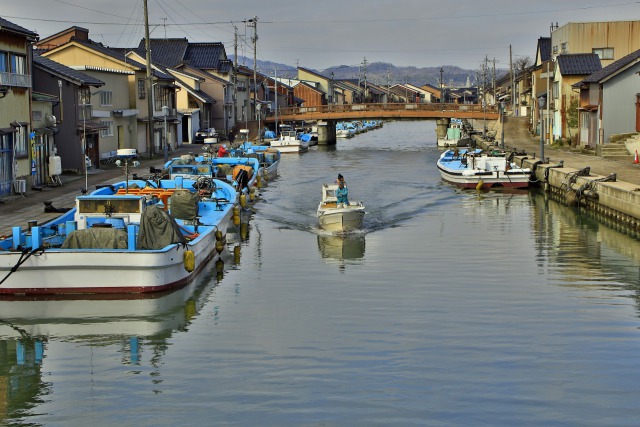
(449, 309)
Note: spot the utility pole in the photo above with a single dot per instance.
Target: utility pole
(493, 81)
(441, 86)
(549, 85)
(406, 89)
(275, 90)
(364, 67)
(513, 83)
(149, 83)
(388, 84)
(235, 75)
(484, 97)
(253, 23)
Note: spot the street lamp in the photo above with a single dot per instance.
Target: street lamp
(331, 94)
(541, 102)
(502, 122)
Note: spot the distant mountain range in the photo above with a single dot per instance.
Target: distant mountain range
(379, 73)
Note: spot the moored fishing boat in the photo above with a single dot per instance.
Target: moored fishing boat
(290, 142)
(268, 157)
(243, 173)
(481, 170)
(456, 135)
(134, 236)
(337, 217)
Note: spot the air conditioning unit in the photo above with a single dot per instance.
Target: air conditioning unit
(20, 186)
(50, 120)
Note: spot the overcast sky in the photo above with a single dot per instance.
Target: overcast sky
(323, 33)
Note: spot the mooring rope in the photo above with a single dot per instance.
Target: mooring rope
(22, 260)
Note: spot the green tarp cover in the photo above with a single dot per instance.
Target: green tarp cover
(184, 205)
(96, 238)
(158, 229)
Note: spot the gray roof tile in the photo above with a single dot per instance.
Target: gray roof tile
(578, 64)
(613, 67)
(66, 72)
(4, 24)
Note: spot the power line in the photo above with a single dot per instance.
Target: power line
(332, 20)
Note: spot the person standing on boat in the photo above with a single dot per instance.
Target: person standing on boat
(222, 150)
(341, 180)
(342, 195)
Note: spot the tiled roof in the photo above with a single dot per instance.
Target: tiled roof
(578, 64)
(544, 44)
(10, 26)
(198, 93)
(168, 52)
(119, 54)
(174, 52)
(207, 56)
(116, 54)
(63, 71)
(613, 68)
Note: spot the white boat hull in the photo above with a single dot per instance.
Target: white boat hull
(290, 147)
(481, 171)
(107, 271)
(343, 219)
(444, 142)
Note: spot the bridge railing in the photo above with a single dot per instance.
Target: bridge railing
(351, 108)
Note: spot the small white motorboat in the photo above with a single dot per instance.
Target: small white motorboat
(290, 142)
(344, 218)
(478, 169)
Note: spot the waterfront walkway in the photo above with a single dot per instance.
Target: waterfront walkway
(518, 138)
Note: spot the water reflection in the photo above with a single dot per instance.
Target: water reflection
(30, 328)
(341, 247)
(577, 245)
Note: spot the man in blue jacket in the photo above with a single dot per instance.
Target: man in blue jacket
(341, 195)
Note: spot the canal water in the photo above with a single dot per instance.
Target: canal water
(450, 308)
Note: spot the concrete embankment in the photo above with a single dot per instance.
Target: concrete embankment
(608, 188)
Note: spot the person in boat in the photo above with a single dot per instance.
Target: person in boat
(222, 150)
(342, 195)
(341, 180)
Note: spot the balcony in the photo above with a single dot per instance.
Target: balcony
(15, 80)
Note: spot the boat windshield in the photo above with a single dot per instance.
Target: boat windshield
(109, 206)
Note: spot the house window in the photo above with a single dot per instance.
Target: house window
(142, 89)
(584, 120)
(21, 141)
(18, 64)
(604, 52)
(4, 56)
(109, 130)
(36, 115)
(106, 98)
(556, 90)
(162, 98)
(563, 47)
(555, 49)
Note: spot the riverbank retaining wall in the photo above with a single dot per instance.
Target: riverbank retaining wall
(604, 196)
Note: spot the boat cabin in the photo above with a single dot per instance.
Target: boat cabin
(329, 193)
(117, 210)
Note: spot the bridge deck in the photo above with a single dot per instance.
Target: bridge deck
(388, 111)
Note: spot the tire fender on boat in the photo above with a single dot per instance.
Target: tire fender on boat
(189, 260)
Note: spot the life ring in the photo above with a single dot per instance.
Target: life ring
(189, 260)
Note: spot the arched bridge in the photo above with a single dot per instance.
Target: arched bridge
(386, 111)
